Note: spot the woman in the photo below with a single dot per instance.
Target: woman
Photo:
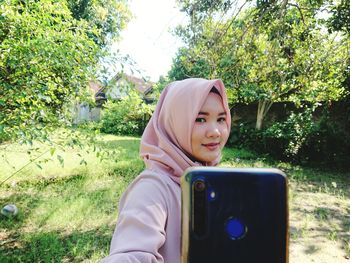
(189, 127)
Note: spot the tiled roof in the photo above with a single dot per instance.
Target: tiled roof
(95, 86)
(141, 85)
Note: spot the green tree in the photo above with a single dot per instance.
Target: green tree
(270, 53)
(49, 50)
(46, 59)
(290, 62)
(340, 22)
(187, 64)
(108, 17)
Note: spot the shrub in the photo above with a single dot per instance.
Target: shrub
(300, 138)
(290, 135)
(329, 143)
(125, 117)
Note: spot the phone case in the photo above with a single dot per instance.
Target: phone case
(234, 215)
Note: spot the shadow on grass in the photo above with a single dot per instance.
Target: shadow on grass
(58, 204)
(77, 201)
(28, 195)
(131, 143)
(76, 246)
(22, 200)
(324, 179)
(312, 249)
(75, 196)
(331, 224)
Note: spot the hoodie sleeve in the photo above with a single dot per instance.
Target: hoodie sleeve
(140, 229)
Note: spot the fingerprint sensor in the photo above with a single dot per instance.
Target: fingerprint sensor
(235, 228)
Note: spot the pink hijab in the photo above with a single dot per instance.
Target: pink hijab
(166, 141)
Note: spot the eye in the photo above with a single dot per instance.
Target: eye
(201, 120)
(222, 119)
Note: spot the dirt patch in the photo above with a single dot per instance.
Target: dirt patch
(319, 224)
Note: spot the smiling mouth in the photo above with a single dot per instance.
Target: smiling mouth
(212, 146)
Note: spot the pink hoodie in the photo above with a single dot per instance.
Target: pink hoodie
(148, 226)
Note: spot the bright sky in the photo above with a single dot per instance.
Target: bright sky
(147, 38)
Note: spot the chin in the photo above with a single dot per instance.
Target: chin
(210, 159)
(207, 157)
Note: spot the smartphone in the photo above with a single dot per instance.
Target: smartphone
(234, 215)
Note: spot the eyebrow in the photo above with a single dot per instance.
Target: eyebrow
(207, 113)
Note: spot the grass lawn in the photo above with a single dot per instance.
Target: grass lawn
(68, 214)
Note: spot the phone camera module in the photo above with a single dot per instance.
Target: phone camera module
(200, 208)
(199, 185)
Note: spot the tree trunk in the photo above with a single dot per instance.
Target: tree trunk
(259, 121)
(263, 107)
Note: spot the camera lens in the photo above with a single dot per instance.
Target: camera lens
(199, 185)
(200, 208)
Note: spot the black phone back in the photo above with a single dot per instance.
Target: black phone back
(234, 215)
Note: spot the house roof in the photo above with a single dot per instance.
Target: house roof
(141, 85)
(95, 86)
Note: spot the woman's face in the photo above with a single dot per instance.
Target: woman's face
(210, 131)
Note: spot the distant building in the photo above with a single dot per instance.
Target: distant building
(118, 87)
(121, 84)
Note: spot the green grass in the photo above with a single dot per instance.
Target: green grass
(68, 213)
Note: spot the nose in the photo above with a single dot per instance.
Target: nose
(213, 131)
